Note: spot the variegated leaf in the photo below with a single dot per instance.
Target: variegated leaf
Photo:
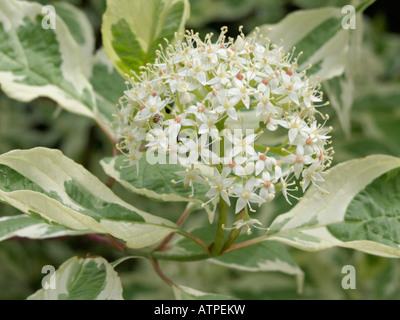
(133, 30)
(108, 85)
(341, 89)
(186, 293)
(44, 182)
(38, 62)
(154, 181)
(82, 279)
(27, 227)
(81, 29)
(358, 211)
(319, 35)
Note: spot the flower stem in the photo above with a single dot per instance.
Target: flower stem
(246, 244)
(160, 273)
(166, 255)
(107, 240)
(220, 236)
(106, 132)
(180, 257)
(196, 240)
(233, 235)
(163, 245)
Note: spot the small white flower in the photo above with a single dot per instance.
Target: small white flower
(195, 69)
(197, 110)
(126, 114)
(267, 191)
(151, 107)
(246, 195)
(248, 223)
(295, 124)
(312, 174)
(182, 120)
(264, 162)
(241, 91)
(286, 190)
(134, 135)
(221, 78)
(318, 137)
(181, 84)
(157, 138)
(264, 105)
(199, 147)
(243, 167)
(185, 98)
(208, 126)
(299, 160)
(134, 156)
(291, 84)
(270, 121)
(227, 104)
(241, 145)
(220, 185)
(189, 177)
(309, 97)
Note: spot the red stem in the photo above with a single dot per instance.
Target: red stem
(108, 241)
(160, 273)
(163, 245)
(245, 244)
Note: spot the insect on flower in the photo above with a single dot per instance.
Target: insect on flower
(156, 118)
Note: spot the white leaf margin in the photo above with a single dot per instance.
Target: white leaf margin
(109, 168)
(112, 290)
(50, 169)
(268, 266)
(128, 10)
(186, 293)
(88, 45)
(36, 230)
(12, 15)
(305, 226)
(297, 25)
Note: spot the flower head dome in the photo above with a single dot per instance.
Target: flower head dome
(184, 104)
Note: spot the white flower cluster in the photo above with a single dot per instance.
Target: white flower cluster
(180, 103)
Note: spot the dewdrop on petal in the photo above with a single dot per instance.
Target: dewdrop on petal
(197, 88)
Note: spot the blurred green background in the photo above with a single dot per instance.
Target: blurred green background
(375, 128)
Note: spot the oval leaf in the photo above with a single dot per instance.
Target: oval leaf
(154, 181)
(81, 29)
(37, 62)
(108, 86)
(27, 227)
(322, 221)
(44, 182)
(186, 293)
(132, 30)
(319, 34)
(82, 279)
